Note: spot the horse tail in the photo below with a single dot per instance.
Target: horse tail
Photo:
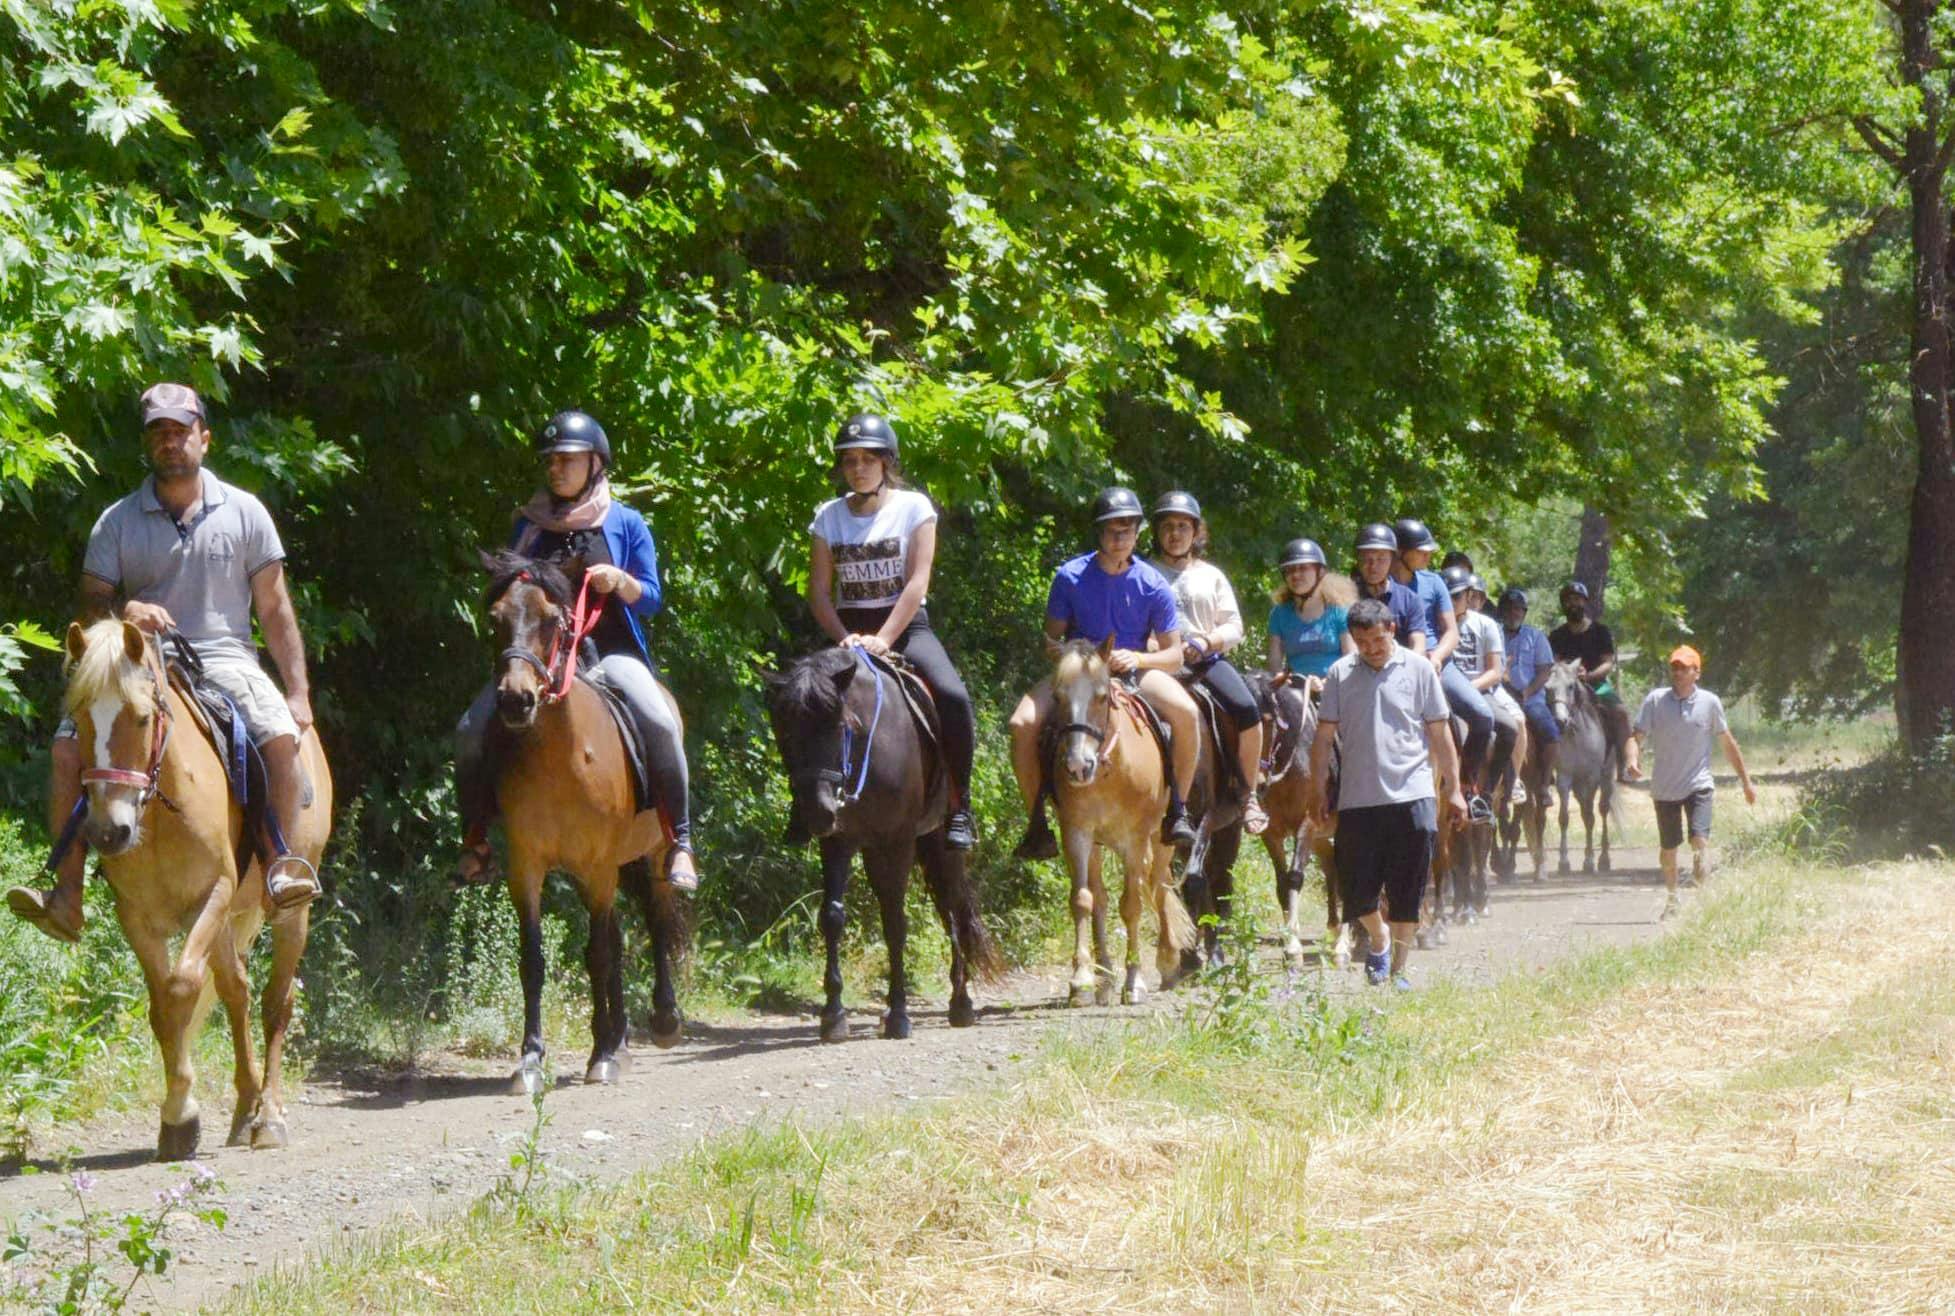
(948, 875)
(1178, 926)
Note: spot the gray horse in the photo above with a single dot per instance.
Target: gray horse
(1587, 764)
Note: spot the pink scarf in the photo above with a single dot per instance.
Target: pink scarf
(546, 512)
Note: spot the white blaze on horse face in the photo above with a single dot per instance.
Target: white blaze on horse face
(1082, 754)
(110, 806)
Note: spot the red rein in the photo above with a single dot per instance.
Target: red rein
(563, 649)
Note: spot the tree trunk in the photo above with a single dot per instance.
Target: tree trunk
(1925, 694)
(1592, 559)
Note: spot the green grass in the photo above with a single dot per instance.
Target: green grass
(1206, 1124)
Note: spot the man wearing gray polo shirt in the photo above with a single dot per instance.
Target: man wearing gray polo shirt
(1680, 724)
(190, 551)
(1387, 711)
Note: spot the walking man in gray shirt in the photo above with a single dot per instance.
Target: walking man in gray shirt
(190, 551)
(1385, 707)
(1680, 723)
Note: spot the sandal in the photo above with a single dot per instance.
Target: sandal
(679, 870)
(37, 907)
(476, 867)
(291, 881)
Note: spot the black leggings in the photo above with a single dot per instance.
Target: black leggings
(1232, 692)
(925, 652)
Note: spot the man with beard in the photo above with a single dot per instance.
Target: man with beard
(1588, 643)
(187, 550)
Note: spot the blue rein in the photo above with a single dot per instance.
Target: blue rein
(854, 793)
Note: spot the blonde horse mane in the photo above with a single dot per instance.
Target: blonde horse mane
(105, 668)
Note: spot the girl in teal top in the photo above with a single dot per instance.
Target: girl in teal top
(1306, 626)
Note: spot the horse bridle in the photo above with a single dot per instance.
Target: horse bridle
(560, 670)
(840, 776)
(145, 782)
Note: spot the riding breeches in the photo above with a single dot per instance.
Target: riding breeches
(925, 652)
(1232, 693)
(480, 736)
(1470, 706)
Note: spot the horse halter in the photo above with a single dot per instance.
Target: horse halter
(560, 669)
(145, 781)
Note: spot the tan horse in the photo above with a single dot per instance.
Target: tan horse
(161, 815)
(1111, 793)
(564, 791)
(1292, 837)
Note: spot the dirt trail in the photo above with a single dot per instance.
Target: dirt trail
(369, 1151)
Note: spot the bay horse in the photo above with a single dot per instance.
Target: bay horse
(1208, 874)
(564, 791)
(159, 810)
(1111, 794)
(1526, 822)
(864, 779)
(1289, 727)
(1477, 850)
(1585, 761)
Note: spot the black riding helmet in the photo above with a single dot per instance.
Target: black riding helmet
(1514, 594)
(1458, 580)
(1301, 553)
(867, 431)
(1576, 588)
(573, 431)
(1377, 535)
(1410, 533)
(1176, 503)
(1117, 504)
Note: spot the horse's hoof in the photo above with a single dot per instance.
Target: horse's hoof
(178, 1142)
(835, 1027)
(1562, 871)
(1078, 996)
(1588, 867)
(242, 1125)
(528, 1080)
(1604, 866)
(962, 1013)
(1422, 939)
(605, 1071)
(269, 1135)
(895, 1027)
(1103, 994)
(1133, 995)
(668, 1026)
(1439, 935)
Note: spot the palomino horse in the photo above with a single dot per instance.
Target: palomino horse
(1111, 793)
(564, 790)
(865, 779)
(161, 815)
(1290, 725)
(1586, 765)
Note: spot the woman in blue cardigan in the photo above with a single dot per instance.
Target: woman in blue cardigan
(575, 519)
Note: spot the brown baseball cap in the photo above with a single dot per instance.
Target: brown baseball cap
(178, 402)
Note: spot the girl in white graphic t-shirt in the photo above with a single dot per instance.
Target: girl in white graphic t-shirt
(868, 581)
(1211, 625)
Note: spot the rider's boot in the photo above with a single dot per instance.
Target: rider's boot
(57, 911)
(290, 879)
(1038, 842)
(1176, 830)
(960, 829)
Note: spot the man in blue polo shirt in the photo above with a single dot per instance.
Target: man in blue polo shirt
(1377, 550)
(1111, 593)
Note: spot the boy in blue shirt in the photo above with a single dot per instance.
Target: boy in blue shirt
(1112, 594)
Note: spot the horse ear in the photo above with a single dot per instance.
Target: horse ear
(1106, 647)
(487, 559)
(844, 677)
(77, 641)
(133, 643)
(1280, 680)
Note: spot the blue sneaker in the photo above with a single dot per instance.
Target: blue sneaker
(1401, 983)
(1378, 968)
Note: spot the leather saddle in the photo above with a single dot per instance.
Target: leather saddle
(220, 722)
(922, 706)
(633, 736)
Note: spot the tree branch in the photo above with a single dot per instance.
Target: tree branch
(1880, 142)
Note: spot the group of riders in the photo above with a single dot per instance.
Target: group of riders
(192, 555)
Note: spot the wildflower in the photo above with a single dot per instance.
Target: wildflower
(83, 1181)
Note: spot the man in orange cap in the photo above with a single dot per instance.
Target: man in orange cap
(1680, 724)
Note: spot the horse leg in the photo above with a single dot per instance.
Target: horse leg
(658, 903)
(288, 944)
(1222, 855)
(889, 873)
(1136, 864)
(1562, 791)
(1588, 832)
(1608, 803)
(603, 961)
(526, 892)
(176, 991)
(1083, 862)
(1102, 957)
(836, 857)
(939, 875)
(234, 990)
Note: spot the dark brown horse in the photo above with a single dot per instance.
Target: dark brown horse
(865, 779)
(1289, 727)
(564, 790)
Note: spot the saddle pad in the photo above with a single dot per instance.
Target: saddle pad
(642, 797)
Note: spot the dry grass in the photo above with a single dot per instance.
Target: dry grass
(1655, 1131)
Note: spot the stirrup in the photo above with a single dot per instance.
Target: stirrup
(289, 890)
